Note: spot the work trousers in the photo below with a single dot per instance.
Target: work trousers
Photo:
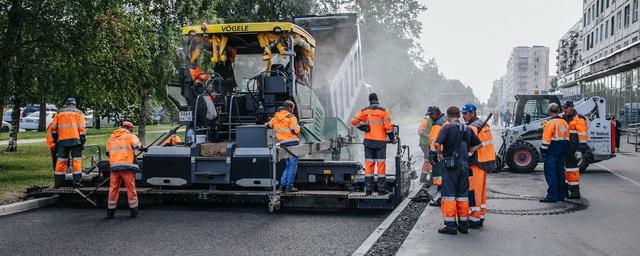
(63, 154)
(290, 170)
(477, 194)
(572, 172)
(129, 180)
(375, 156)
(554, 173)
(455, 195)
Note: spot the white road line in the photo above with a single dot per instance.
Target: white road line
(371, 240)
(619, 175)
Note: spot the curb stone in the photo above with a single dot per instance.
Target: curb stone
(27, 205)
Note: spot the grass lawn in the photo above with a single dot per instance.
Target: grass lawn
(31, 166)
(90, 132)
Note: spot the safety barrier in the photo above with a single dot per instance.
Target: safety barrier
(632, 135)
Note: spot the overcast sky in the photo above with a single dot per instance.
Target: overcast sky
(471, 40)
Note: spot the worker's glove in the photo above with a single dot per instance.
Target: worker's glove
(364, 127)
(83, 139)
(432, 157)
(392, 138)
(107, 153)
(543, 151)
(582, 147)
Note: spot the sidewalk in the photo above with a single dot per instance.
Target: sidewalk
(31, 141)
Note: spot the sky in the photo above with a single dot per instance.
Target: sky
(471, 40)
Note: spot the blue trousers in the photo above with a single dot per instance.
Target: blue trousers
(554, 174)
(288, 177)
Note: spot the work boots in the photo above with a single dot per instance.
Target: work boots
(77, 180)
(368, 185)
(574, 192)
(463, 227)
(58, 180)
(448, 230)
(134, 212)
(382, 186)
(436, 202)
(111, 213)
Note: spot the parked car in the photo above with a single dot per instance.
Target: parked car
(26, 111)
(7, 115)
(88, 118)
(5, 126)
(31, 121)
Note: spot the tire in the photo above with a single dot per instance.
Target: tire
(522, 157)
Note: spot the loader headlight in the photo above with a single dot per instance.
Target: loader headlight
(277, 29)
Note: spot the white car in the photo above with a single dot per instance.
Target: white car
(88, 118)
(31, 121)
(5, 126)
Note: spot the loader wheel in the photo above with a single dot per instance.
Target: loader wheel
(522, 157)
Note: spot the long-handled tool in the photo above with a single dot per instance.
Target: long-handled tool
(86, 197)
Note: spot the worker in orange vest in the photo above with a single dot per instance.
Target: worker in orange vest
(285, 123)
(68, 131)
(483, 161)
(439, 120)
(423, 132)
(578, 136)
(375, 122)
(120, 150)
(51, 145)
(555, 137)
(172, 140)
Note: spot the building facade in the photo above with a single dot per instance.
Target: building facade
(527, 72)
(610, 58)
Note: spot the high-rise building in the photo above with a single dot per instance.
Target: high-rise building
(609, 66)
(527, 72)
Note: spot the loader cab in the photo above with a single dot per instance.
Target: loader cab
(529, 108)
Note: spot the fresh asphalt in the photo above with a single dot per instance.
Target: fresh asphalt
(183, 230)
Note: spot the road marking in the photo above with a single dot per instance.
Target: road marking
(373, 238)
(619, 175)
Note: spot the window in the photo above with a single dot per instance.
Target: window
(588, 40)
(588, 16)
(601, 31)
(613, 22)
(607, 3)
(606, 30)
(619, 18)
(598, 8)
(627, 15)
(591, 40)
(596, 37)
(584, 19)
(537, 109)
(601, 6)
(635, 11)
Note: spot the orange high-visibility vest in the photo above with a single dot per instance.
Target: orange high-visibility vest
(173, 140)
(286, 126)
(378, 119)
(486, 153)
(578, 128)
(121, 145)
(69, 124)
(51, 144)
(435, 131)
(555, 129)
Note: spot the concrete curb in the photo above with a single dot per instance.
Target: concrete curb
(373, 238)
(27, 205)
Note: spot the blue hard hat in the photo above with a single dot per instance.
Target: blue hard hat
(70, 100)
(568, 103)
(469, 107)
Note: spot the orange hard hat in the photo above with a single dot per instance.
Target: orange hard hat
(127, 125)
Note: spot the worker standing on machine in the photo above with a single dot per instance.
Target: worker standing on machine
(423, 132)
(439, 120)
(287, 129)
(69, 127)
(120, 150)
(577, 142)
(454, 144)
(375, 121)
(554, 148)
(483, 161)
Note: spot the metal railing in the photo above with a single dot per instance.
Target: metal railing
(632, 135)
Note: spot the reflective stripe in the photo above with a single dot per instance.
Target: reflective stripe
(573, 183)
(77, 158)
(450, 219)
(448, 198)
(559, 139)
(63, 159)
(462, 199)
(572, 169)
(487, 143)
(294, 127)
(572, 131)
(474, 219)
(582, 133)
(474, 209)
(114, 165)
(386, 120)
(543, 146)
(133, 203)
(368, 175)
(282, 130)
(68, 125)
(382, 175)
(375, 122)
(484, 206)
(463, 218)
(119, 148)
(380, 160)
(112, 204)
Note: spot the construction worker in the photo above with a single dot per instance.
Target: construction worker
(287, 129)
(120, 150)
(69, 128)
(554, 148)
(375, 122)
(483, 161)
(439, 120)
(578, 136)
(52, 140)
(423, 132)
(453, 145)
(172, 140)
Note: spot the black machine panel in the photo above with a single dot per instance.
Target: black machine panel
(167, 166)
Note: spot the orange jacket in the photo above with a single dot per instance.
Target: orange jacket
(51, 141)
(69, 125)
(555, 129)
(578, 128)
(286, 126)
(120, 148)
(378, 119)
(173, 140)
(424, 129)
(486, 154)
(435, 131)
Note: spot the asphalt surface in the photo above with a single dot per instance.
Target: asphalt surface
(182, 230)
(608, 226)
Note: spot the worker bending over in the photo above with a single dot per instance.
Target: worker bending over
(454, 144)
(287, 129)
(577, 142)
(120, 150)
(172, 140)
(439, 120)
(483, 161)
(375, 122)
(68, 133)
(554, 148)
(423, 132)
